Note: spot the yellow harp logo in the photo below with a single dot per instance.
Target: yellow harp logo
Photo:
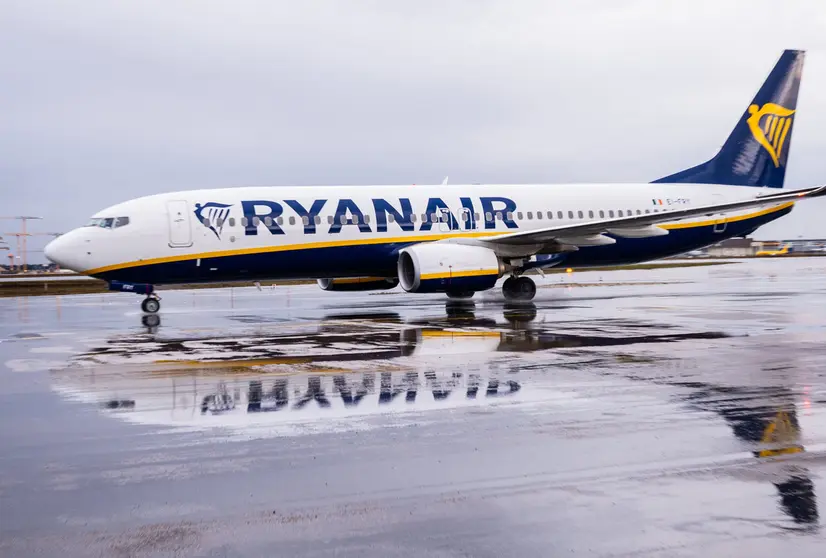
(771, 134)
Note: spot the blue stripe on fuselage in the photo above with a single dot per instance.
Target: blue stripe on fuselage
(379, 260)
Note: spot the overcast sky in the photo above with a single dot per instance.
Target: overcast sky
(104, 101)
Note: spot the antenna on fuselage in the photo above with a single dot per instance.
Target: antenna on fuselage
(444, 181)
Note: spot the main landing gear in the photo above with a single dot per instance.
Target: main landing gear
(519, 288)
(151, 304)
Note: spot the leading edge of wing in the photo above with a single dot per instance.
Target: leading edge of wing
(598, 227)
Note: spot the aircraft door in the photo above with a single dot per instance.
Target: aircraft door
(444, 220)
(465, 220)
(720, 218)
(180, 231)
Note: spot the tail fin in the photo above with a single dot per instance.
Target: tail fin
(756, 152)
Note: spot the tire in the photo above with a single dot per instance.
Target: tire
(526, 288)
(150, 305)
(519, 288)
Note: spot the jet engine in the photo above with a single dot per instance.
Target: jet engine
(442, 267)
(358, 284)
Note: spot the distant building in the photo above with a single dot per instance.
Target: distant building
(733, 248)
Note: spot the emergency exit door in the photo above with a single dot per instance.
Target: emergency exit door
(180, 231)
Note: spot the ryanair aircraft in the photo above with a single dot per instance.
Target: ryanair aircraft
(447, 238)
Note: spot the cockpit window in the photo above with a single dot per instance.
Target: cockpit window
(108, 222)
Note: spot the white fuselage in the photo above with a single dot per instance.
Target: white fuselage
(271, 232)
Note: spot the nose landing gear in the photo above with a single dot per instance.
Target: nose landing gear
(151, 304)
(519, 288)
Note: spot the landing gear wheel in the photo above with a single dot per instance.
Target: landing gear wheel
(460, 294)
(519, 288)
(151, 305)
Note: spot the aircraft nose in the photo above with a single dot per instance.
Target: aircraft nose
(59, 251)
(52, 251)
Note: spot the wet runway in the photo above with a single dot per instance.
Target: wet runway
(673, 412)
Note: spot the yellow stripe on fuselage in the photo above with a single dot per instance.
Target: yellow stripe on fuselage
(727, 219)
(287, 248)
(382, 240)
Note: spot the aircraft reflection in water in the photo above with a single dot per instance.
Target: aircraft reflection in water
(766, 419)
(370, 364)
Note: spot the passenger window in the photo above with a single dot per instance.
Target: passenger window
(570, 214)
(355, 219)
(560, 215)
(629, 212)
(343, 220)
(268, 221)
(539, 215)
(413, 218)
(317, 220)
(601, 214)
(519, 215)
(256, 221)
(590, 213)
(510, 215)
(244, 221)
(305, 220)
(579, 213)
(280, 220)
(205, 222)
(218, 222)
(292, 220)
(550, 215)
(232, 221)
(647, 211)
(476, 216)
(434, 218)
(619, 213)
(639, 212)
(367, 218)
(329, 219)
(611, 213)
(390, 217)
(499, 215)
(488, 216)
(530, 215)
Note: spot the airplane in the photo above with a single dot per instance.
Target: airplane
(456, 239)
(782, 252)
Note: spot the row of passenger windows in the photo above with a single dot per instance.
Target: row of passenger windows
(442, 218)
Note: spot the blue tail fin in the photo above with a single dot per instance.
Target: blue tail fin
(756, 152)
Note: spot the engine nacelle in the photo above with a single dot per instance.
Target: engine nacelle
(442, 267)
(358, 284)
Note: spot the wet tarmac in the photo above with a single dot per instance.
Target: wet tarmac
(672, 412)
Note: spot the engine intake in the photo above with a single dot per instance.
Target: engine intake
(442, 267)
(358, 284)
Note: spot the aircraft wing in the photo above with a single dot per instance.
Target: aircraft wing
(591, 232)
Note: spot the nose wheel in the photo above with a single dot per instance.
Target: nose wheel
(151, 304)
(519, 288)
